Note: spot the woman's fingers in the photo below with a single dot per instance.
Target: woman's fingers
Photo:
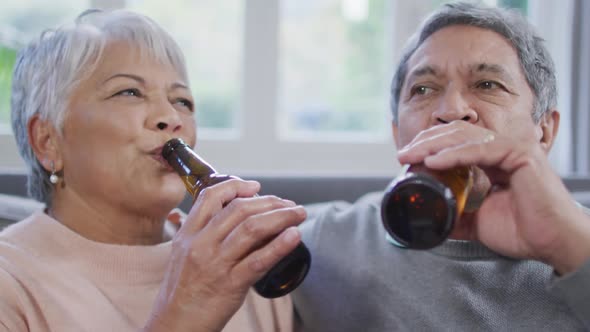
(230, 239)
(257, 263)
(212, 200)
(258, 229)
(241, 209)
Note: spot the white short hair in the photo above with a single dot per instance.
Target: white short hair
(50, 66)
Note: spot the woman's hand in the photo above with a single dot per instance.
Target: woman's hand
(528, 213)
(228, 241)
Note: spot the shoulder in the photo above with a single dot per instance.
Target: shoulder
(18, 255)
(11, 303)
(13, 278)
(368, 206)
(341, 218)
(22, 228)
(338, 210)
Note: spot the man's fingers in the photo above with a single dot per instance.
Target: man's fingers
(451, 138)
(455, 126)
(496, 154)
(416, 152)
(430, 135)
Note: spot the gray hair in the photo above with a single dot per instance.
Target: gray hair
(534, 58)
(48, 69)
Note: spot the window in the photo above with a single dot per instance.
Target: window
(286, 86)
(210, 35)
(7, 59)
(19, 22)
(335, 65)
(336, 62)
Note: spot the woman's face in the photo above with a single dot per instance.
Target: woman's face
(116, 123)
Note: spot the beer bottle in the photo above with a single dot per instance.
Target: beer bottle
(420, 207)
(197, 174)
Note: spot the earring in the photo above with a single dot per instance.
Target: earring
(53, 178)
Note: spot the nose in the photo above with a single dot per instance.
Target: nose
(454, 106)
(164, 117)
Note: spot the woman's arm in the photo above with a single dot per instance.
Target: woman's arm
(220, 251)
(11, 313)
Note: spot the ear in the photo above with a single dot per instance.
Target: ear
(395, 133)
(549, 125)
(44, 140)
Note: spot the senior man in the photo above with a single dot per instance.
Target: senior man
(475, 87)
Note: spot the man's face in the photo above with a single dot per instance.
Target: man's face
(470, 74)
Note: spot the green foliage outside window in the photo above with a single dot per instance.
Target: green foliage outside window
(521, 5)
(354, 91)
(7, 59)
(365, 81)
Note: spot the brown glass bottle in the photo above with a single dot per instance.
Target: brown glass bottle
(420, 206)
(197, 174)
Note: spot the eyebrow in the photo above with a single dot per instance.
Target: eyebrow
(492, 69)
(423, 71)
(178, 85)
(476, 68)
(139, 79)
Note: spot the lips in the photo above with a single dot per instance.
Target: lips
(156, 154)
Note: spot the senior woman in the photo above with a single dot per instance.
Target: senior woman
(92, 105)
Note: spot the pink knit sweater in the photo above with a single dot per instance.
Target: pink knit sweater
(52, 279)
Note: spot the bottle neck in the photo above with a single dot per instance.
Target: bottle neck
(186, 162)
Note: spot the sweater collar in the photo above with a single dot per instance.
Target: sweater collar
(48, 238)
(457, 249)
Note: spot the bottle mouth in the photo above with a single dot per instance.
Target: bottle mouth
(418, 212)
(170, 146)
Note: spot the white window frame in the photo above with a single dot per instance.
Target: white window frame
(546, 15)
(257, 149)
(260, 149)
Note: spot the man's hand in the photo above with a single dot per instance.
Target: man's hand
(528, 213)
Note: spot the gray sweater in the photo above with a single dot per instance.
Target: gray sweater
(360, 282)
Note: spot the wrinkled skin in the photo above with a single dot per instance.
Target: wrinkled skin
(466, 102)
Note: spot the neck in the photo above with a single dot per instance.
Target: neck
(103, 223)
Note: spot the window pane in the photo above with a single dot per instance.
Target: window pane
(335, 66)
(210, 35)
(7, 57)
(19, 22)
(521, 5)
(337, 58)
